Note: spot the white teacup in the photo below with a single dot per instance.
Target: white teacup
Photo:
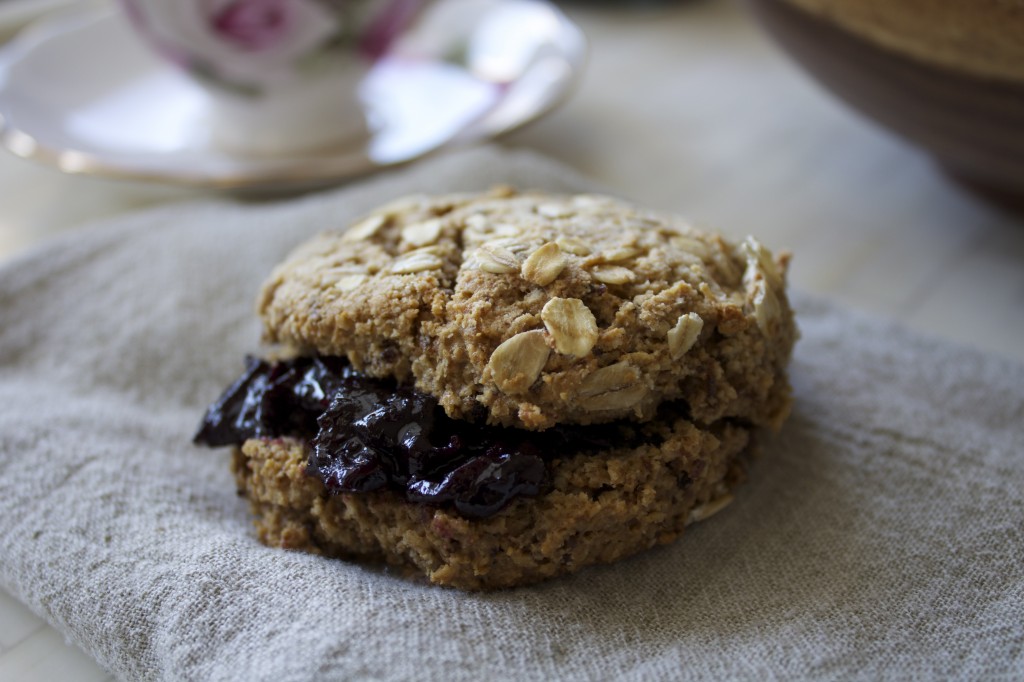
(282, 75)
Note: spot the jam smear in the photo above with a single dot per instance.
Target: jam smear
(273, 399)
(368, 434)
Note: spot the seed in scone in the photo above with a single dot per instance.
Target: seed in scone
(515, 246)
(496, 259)
(416, 261)
(759, 259)
(571, 325)
(506, 230)
(349, 282)
(708, 509)
(615, 387)
(690, 245)
(592, 201)
(554, 210)
(766, 305)
(620, 253)
(422, 234)
(612, 274)
(576, 247)
(338, 271)
(720, 256)
(517, 362)
(760, 278)
(365, 228)
(544, 265)
(682, 337)
(672, 229)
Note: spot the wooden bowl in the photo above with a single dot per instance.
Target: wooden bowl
(970, 121)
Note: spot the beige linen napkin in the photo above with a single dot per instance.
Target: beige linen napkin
(880, 535)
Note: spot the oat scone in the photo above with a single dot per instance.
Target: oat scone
(491, 390)
(539, 310)
(600, 507)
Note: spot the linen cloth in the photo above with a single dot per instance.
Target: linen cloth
(880, 535)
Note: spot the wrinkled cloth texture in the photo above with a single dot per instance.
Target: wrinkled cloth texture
(880, 534)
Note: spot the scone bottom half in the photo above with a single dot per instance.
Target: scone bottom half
(491, 390)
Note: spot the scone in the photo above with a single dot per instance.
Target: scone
(495, 389)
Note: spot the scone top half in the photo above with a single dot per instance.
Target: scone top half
(531, 310)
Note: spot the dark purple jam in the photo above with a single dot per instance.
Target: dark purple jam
(368, 434)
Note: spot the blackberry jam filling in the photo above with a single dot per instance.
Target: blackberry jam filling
(368, 434)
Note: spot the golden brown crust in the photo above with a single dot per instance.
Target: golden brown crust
(533, 310)
(601, 507)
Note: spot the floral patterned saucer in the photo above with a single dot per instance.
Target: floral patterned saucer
(82, 92)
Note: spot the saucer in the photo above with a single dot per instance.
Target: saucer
(81, 92)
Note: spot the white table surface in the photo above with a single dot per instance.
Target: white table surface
(685, 106)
